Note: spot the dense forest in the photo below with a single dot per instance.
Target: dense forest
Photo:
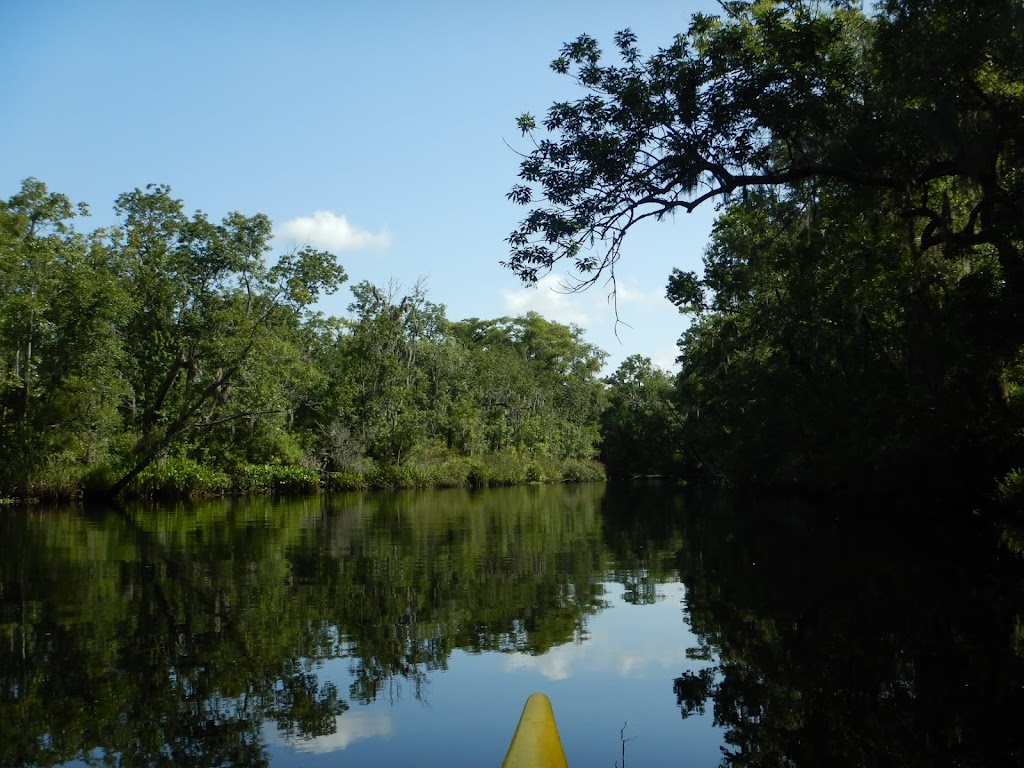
(859, 319)
(171, 355)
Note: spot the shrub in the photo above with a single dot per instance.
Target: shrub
(99, 478)
(453, 473)
(506, 468)
(390, 477)
(344, 481)
(577, 471)
(478, 475)
(544, 469)
(180, 477)
(275, 478)
(60, 477)
(1010, 489)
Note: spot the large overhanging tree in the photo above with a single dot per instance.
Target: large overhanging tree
(923, 95)
(870, 174)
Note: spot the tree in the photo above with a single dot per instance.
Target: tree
(382, 368)
(638, 428)
(205, 307)
(59, 378)
(175, 339)
(537, 384)
(828, 351)
(778, 93)
(869, 249)
(35, 245)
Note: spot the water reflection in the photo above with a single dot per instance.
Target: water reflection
(846, 641)
(388, 626)
(173, 634)
(633, 646)
(355, 726)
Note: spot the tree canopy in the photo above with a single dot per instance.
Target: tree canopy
(860, 308)
(776, 93)
(176, 354)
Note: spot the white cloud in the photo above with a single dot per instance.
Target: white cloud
(325, 229)
(665, 358)
(550, 299)
(590, 308)
(629, 294)
(647, 322)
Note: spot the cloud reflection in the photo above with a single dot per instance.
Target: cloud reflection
(350, 727)
(626, 646)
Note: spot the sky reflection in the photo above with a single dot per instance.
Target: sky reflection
(629, 643)
(349, 728)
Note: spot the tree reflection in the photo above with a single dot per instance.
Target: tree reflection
(847, 644)
(302, 707)
(169, 636)
(642, 533)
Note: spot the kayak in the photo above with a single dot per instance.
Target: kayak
(536, 743)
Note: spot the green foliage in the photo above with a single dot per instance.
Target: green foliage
(1010, 490)
(797, 319)
(59, 359)
(344, 481)
(177, 340)
(536, 386)
(59, 477)
(275, 479)
(544, 469)
(639, 427)
(777, 93)
(167, 332)
(180, 477)
(858, 314)
(479, 475)
(489, 470)
(504, 468)
(98, 478)
(389, 477)
(576, 471)
(473, 402)
(436, 467)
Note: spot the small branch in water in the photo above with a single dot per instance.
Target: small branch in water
(623, 739)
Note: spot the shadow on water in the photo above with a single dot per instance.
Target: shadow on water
(849, 638)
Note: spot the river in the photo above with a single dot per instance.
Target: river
(408, 629)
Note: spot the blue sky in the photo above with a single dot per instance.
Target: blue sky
(376, 130)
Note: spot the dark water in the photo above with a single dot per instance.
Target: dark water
(408, 629)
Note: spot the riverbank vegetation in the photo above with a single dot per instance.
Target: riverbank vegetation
(171, 356)
(859, 320)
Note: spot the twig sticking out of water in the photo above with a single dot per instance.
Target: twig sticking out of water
(623, 739)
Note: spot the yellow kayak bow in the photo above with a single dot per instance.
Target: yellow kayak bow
(536, 743)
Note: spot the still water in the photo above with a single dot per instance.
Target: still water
(408, 629)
